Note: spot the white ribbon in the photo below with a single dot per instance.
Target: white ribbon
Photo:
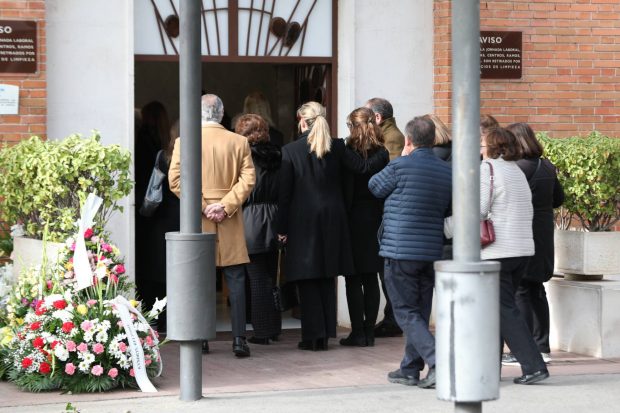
(135, 348)
(81, 265)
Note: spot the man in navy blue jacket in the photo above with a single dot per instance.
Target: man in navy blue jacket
(417, 189)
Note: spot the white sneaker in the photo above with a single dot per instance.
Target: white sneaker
(546, 357)
(508, 359)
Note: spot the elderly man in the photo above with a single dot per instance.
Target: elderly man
(417, 192)
(394, 142)
(227, 179)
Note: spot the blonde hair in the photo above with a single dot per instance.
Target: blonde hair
(319, 138)
(257, 104)
(442, 133)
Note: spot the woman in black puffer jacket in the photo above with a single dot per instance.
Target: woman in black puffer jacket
(259, 215)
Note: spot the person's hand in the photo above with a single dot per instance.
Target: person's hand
(282, 239)
(215, 212)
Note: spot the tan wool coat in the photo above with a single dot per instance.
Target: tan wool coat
(228, 178)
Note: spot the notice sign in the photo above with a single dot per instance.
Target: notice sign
(18, 46)
(9, 99)
(500, 55)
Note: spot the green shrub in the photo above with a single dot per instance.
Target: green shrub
(589, 171)
(45, 182)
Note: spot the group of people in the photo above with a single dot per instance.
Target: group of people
(375, 203)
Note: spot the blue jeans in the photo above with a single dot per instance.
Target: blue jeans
(410, 286)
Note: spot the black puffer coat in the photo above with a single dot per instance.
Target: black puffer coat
(261, 207)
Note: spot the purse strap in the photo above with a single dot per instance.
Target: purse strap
(536, 171)
(491, 179)
(279, 261)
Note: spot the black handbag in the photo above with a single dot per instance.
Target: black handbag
(154, 191)
(284, 295)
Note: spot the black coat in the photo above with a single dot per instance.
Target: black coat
(365, 213)
(444, 152)
(261, 207)
(547, 194)
(311, 208)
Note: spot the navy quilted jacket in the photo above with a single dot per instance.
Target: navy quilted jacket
(417, 191)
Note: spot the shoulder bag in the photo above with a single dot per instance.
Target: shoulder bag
(487, 232)
(284, 294)
(154, 191)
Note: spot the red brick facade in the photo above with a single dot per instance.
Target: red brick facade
(31, 119)
(570, 65)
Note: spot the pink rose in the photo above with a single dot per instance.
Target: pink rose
(86, 325)
(106, 247)
(122, 347)
(114, 278)
(82, 348)
(88, 233)
(69, 369)
(149, 341)
(71, 345)
(147, 362)
(98, 348)
(90, 303)
(132, 373)
(113, 373)
(119, 269)
(72, 248)
(97, 370)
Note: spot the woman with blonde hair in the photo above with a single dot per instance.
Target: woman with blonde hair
(312, 219)
(257, 104)
(365, 213)
(443, 140)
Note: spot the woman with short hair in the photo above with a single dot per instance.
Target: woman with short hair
(547, 194)
(259, 216)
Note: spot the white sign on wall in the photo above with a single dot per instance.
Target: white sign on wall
(9, 99)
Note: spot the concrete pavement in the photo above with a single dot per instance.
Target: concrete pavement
(281, 378)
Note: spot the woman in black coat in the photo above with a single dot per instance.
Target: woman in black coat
(259, 215)
(312, 220)
(153, 136)
(365, 214)
(547, 194)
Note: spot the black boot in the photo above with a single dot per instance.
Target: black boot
(240, 347)
(355, 339)
(369, 332)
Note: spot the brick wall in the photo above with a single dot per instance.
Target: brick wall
(31, 119)
(570, 65)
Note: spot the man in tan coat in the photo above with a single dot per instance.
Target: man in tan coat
(227, 179)
(394, 142)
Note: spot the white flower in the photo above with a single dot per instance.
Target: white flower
(63, 315)
(88, 357)
(49, 300)
(61, 353)
(101, 271)
(69, 242)
(158, 307)
(88, 336)
(101, 337)
(123, 362)
(142, 327)
(84, 366)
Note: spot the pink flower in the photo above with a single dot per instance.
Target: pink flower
(90, 303)
(98, 348)
(69, 369)
(71, 345)
(86, 325)
(113, 373)
(114, 278)
(97, 370)
(122, 347)
(49, 284)
(149, 341)
(147, 362)
(106, 247)
(82, 347)
(119, 269)
(88, 233)
(132, 373)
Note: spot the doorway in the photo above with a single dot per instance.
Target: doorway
(285, 86)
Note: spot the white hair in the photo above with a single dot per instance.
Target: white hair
(212, 108)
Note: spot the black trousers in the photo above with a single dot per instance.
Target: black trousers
(317, 302)
(513, 328)
(532, 301)
(261, 271)
(363, 301)
(410, 285)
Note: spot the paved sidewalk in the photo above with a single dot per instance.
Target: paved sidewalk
(339, 380)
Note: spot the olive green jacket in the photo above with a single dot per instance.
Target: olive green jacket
(394, 138)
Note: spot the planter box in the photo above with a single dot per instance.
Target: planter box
(589, 253)
(585, 317)
(28, 252)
